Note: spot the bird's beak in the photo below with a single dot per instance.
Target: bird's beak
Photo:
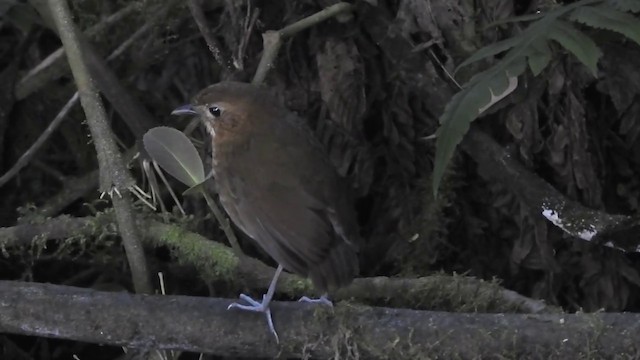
(184, 110)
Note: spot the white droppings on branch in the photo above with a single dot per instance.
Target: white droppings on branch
(584, 232)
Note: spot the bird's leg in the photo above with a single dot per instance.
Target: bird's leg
(323, 300)
(263, 306)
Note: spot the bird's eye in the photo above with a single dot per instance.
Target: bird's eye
(215, 111)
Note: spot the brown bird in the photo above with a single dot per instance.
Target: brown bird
(277, 184)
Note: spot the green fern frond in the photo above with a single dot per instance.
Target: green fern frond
(492, 50)
(483, 90)
(577, 43)
(530, 47)
(515, 19)
(539, 56)
(480, 93)
(605, 17)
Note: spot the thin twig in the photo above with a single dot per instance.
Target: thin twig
(248, 30)
(214, 46)
(52, 67)
(157, 169)
(32, 151)
(76, 188)
(272, 40)
(146, 27)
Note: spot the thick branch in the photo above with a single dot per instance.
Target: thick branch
(204, 325)
(216, 262)
(112, 170)
(495, 163)
(572, 217)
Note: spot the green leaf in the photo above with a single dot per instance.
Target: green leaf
(605, 17)
(194, 190)
(522, 18)
(493, 84)
(503, 84)
(577, 43)
(454, 125)
(173, 151)
(539, 57)
(491, 50)
(483, 90)
(198, 189)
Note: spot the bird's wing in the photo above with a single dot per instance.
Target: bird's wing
(296, 209)
(294, 227)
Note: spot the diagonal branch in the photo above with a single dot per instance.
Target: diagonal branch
(617, 231)
(221, 57)
(39, 143)
(113, 174)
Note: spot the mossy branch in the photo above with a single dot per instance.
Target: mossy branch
(307, 331)
(217, 262)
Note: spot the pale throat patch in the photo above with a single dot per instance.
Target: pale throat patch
(209, 126)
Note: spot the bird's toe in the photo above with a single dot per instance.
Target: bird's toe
(255, 306)
(322, 300)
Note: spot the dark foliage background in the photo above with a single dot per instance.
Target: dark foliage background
(373, 86)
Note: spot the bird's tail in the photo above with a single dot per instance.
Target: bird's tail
(338, 269)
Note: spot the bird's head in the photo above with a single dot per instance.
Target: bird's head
(230, 107)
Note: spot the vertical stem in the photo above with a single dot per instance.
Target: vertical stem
(113, 174)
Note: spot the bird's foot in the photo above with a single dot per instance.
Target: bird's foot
(255, 306)
(322, 300)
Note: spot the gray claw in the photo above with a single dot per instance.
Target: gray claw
(257, 307)
(322, 300)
